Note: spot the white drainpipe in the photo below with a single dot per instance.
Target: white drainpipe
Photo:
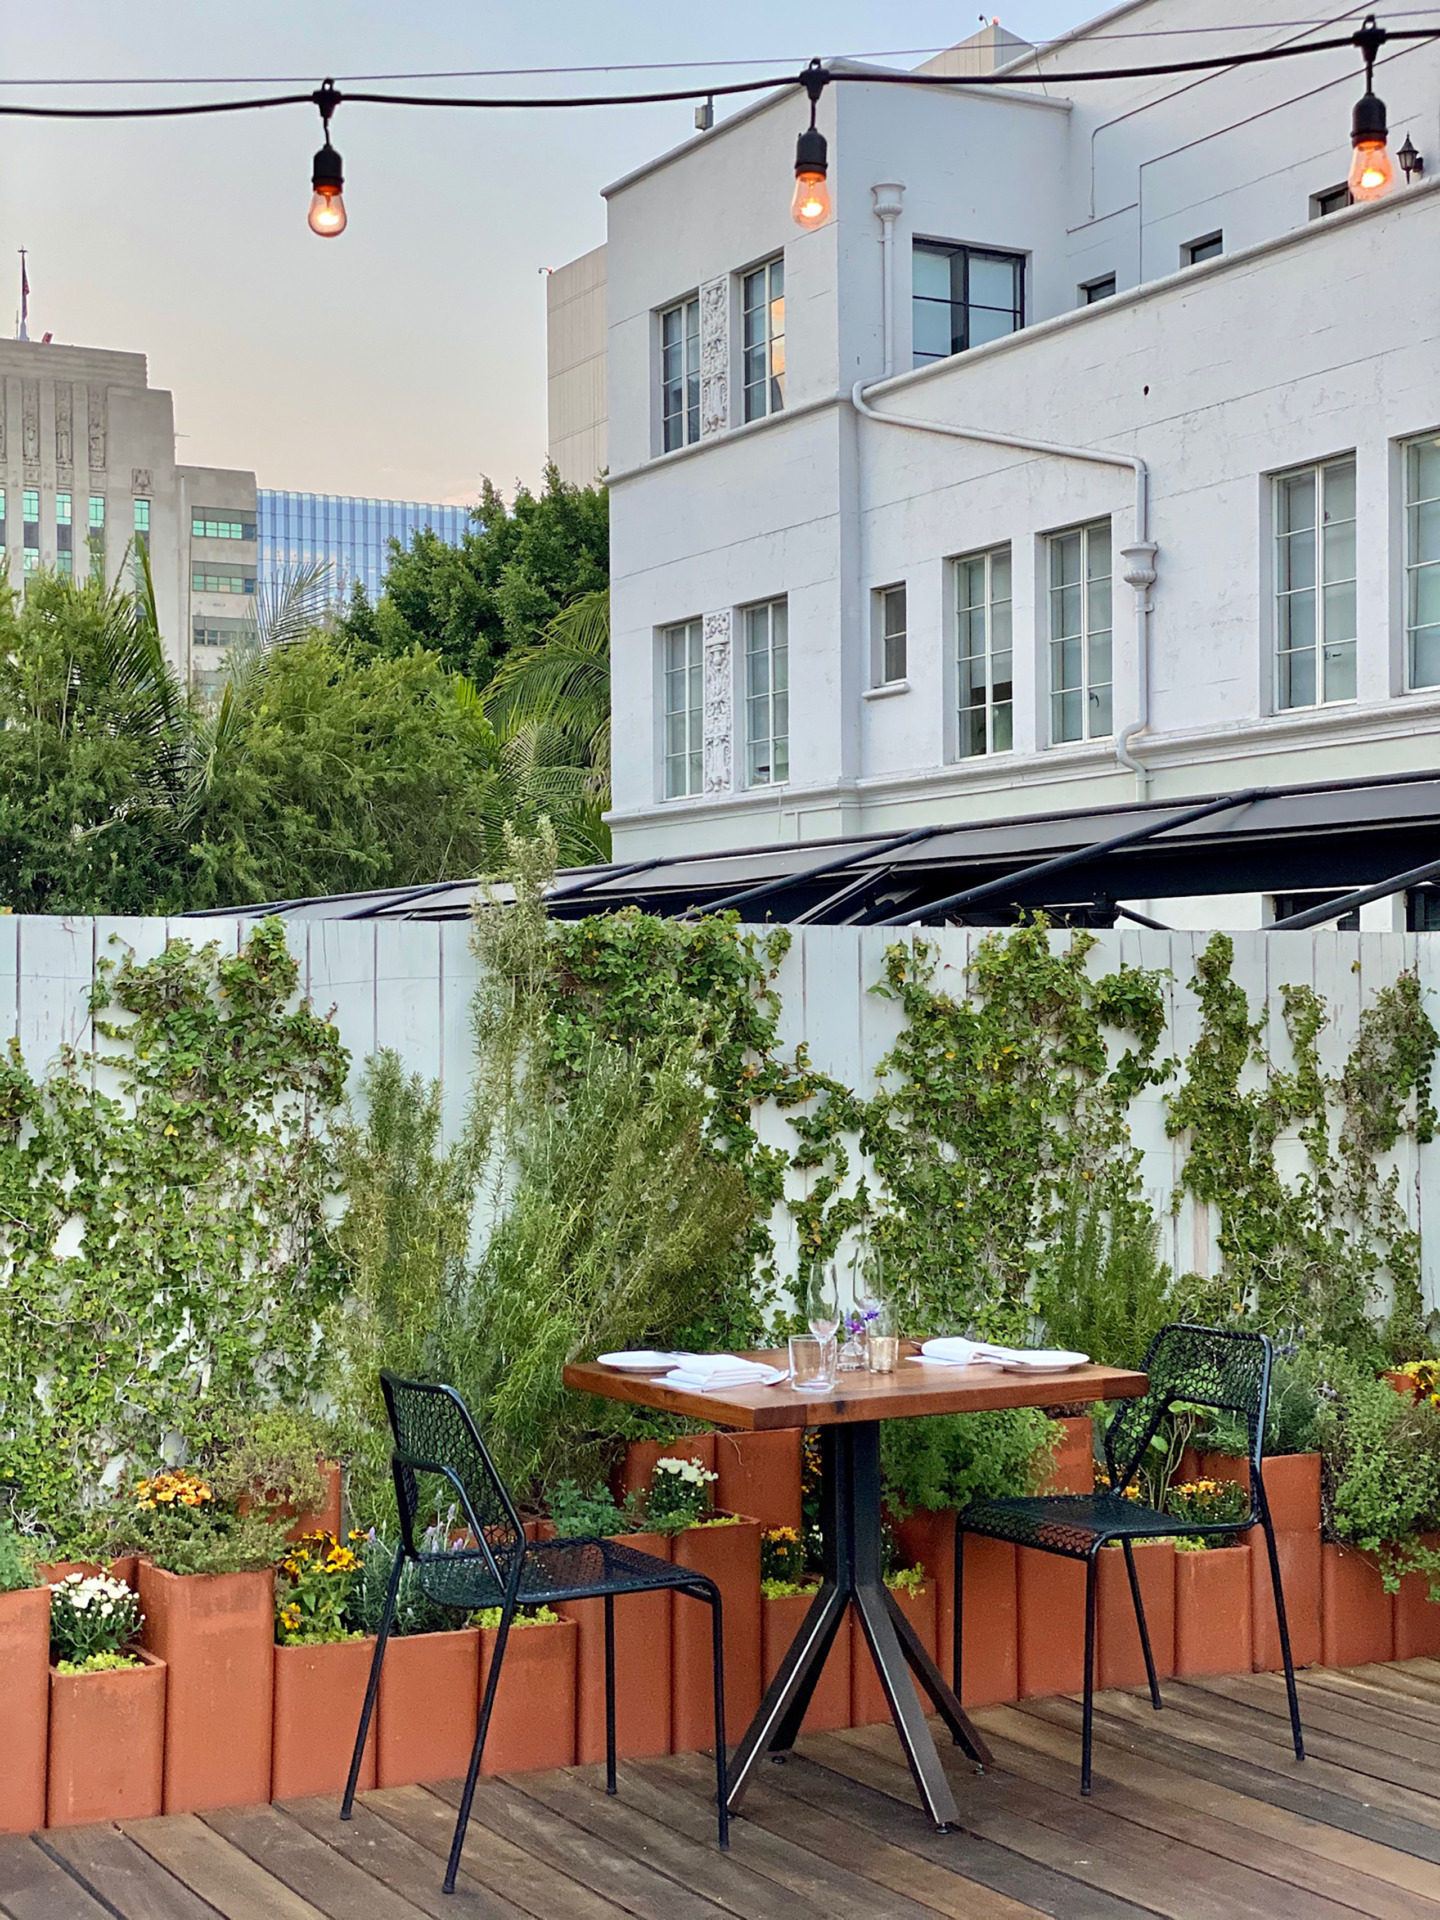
(887, 197)
(1139, 556)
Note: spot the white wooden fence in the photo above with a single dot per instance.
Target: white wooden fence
(408, 986)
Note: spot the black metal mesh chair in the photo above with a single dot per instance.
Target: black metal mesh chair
(494, 1565)
(1193, 1366)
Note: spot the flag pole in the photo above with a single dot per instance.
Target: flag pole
(24, 297)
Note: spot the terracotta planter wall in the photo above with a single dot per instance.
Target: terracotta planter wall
(642, 1666)
(1119, 1657)
(926, 1538)
(428, 1705)
(760, 1475)
(326, 1517)
(641, 1455)
(1072, 1466)
(830, 1702)
(532, 1725)
(990, 1653)
(319, 1692)
(25, 1665)
(867, 1697)
(1212, 1610)
(1050, 1614)
(107, 1744)
(1359, 1616)
(730, 1556)
(1417, 1617)
(216, 1635)
(1292, 1488)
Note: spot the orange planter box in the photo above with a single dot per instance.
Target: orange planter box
(1417, 1617)
(216, 1634)
(532, 1726)
(1050, 1612)
(107, 1744)
(868, 1704)
(730, 1556)
(926, 1538)
(1292, 1488)
(1119, 1657)
(990, 1627)
(641, 1455)
(1358, 1621)
(1072, 1465)
(319, 1692)
(830, 1702)
(25, 1666)
(760, 1475)
(428, 1706)
(1212, 1610)
(642, 1666)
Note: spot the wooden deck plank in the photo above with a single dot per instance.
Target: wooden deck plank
(306, 1865)
(35, 1887)
(1381, 1866)
(220, 1874)
(400, 1863)
(108, 1864)
(868, 1859)
(1378, 1726)
(1140, 1796)
(490, 1859)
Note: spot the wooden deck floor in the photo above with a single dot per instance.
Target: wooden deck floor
(1198, 1813)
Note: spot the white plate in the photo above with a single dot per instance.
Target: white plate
(641, 1360)
(1045, 1362)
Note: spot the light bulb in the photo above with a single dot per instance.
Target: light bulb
(1372, 171)
(327, 212)
(810, 203)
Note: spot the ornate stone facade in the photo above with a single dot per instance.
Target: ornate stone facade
(30, 426)
(719, 703)
(64, 432)
(714, 363)
(97, 430)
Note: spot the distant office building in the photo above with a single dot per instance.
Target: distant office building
(350, 536)
(88, 475)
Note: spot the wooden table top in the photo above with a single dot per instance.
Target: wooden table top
(912, 1389)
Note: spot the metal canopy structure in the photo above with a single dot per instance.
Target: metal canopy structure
(1374, 836)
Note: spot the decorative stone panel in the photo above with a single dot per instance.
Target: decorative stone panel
(30, 420)
(715, 362)
(97, 429)
(64, 430)
(719, 702)
(140, 481)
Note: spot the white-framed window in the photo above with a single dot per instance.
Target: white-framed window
(763, 335)
(1207, 247)
(1422, 562)
(1315, 584)
(682, 663)
(767, 694)
(1081, 681)
(984, 658)
(680, 374)
(962, 297)
(888, 625)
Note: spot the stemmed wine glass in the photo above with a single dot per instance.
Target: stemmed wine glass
(822, 1301)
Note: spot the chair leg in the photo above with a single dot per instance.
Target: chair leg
(1150, 1674)
(472, 1773)
(609, 1693)
(717, 1653)
(1280, 1620)
(372, 1685)
(959, 1608)
(1091, 1570)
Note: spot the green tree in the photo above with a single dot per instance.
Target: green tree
(500, 588)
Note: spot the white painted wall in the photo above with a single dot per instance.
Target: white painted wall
(409, 987)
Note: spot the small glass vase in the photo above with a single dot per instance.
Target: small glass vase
(854, 1355)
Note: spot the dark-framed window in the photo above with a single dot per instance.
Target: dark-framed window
(1101, 289)
(1208, 247)
(1422, 909)
(1286, 904)
(963, 296)
(1331, 200)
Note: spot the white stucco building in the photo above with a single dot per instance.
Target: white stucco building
(840, 611)
(88, 469)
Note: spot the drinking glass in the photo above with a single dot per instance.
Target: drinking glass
(812, 1363)
(883, 1345)
(822, 1301)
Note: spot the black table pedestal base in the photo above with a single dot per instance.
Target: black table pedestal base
(850, 1523)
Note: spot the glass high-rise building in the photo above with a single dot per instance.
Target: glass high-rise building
(351, 536)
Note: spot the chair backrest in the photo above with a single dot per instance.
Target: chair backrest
(435, 1434)
(1214, 1367)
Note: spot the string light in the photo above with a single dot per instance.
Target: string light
(1372, 171)
(327, 177)
(810, 202)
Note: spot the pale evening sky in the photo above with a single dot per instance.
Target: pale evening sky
(408, 357)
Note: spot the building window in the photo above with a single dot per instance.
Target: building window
(764, 339)
(1422, 561)
(1332, 200)
(211, 523)
(680, 373)
(1080, 631)
(30, 522)
(1315, 584)
(963, 296)
(767, 694)
(64, 536)
(204, 582)
(1422, 910)
(984, 678)
(219, 632)
(97, 536)
(1209, 247)
(684, 710)
(1101, 289)
(1283, 905)
(887, 615)
(3, 562)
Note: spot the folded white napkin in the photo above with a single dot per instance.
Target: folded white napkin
(952, 1351)
(708, 1372)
